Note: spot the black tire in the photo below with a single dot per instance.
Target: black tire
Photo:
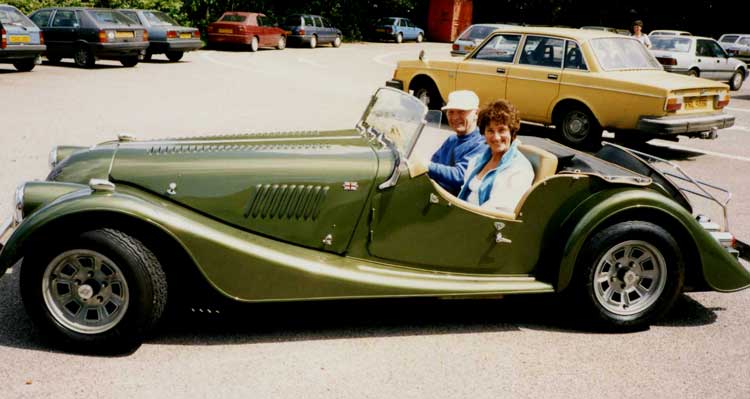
(147, 57)
(632, 138)
(84, 57)
(25, 65)
(694, 72)
(420, 38)
(313, 41)
(254, 44)
(651, 282)
(337, 41)
(136, 281)
(130, 61)
(428, 94)
(174, 56)
(735, 82)
(281, 43)
(53, 59)
(578, 128)
(399, 38)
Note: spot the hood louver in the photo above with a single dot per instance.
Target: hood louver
(286, 201)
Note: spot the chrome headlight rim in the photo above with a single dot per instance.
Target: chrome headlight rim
(18, 202)
(53, 158)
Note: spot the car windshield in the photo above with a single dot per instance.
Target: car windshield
(111, 17)
(396, 115)
(477, 32)
(233, 18)
(159, 18)
(11, 16)
(667, 43)
(729, 38)
(386, 21)
(617, 54)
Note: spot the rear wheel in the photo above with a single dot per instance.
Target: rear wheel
(337, 41)
(629, 275)
(25, 65)
(129, 61)
(147, 57)
(314, 41)
(84, 57)
(694, 72)
(399, 38)
(174, 56)
(735, 82)
(281, 43)
(254, 44)
(101, 290)
(578, 127)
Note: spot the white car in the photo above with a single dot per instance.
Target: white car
(736, 45)
(698, 56)
(669, 32)
(474, 35)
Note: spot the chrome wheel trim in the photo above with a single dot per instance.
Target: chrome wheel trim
(423, 95)
(629, 278)
(576, 126)
(737, 79)
(337, 41)
(399, 38)
(420, 37)
(254, 44)
(81, 56)
(282, 43)
(85, 291)
(313, 41)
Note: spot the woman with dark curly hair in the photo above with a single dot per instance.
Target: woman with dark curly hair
(498, 178)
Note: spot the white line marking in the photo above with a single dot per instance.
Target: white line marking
(380, 59)
(704, 152)
(311, 62)
(737, 109)
(226, 64)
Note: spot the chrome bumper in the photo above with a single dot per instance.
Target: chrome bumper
(6, 229)
(684, 124)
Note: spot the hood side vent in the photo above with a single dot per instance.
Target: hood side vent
(201, 148)
(286, 201)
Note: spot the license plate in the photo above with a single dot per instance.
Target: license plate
(225, 31)
(696, 103)
(186, 35)
(18, 39)
(380, 30)
(469, 48)
(124, 34)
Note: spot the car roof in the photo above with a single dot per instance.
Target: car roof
(245, 13)
(669, 31)
(572, 33)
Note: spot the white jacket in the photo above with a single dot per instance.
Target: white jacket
(509, 186)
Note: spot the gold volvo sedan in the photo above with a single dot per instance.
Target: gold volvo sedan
(580, 81)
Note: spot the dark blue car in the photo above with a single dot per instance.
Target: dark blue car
(21, 41)
(165, 35)
(397, 29)
(311, 30)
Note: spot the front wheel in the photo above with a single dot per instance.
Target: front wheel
(735, 82)
(24, 66)
(130, 61)
(99, 291)
(174, 56)
(337, 41)
(579, 128)
(628, 275)
(420, 38)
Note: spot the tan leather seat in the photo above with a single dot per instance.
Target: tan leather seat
(543, 162)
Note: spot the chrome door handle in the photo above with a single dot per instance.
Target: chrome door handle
(552, 76)
(500, 70)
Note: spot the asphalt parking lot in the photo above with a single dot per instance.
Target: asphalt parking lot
(516, 347)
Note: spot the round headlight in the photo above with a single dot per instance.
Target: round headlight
(53, 158)
(18, 202)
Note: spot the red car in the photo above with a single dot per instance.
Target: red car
(246, 28)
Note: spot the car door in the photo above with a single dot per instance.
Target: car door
(724, 69)
(534, 82)
(408, 31)
(486, 71)
(64, 31)
(707, 61)
(320, 30)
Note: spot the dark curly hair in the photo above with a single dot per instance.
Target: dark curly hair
(503, 112)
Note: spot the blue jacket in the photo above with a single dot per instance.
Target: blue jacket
(448, 164)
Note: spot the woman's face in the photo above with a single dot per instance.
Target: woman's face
(498, 137)
(637, 29)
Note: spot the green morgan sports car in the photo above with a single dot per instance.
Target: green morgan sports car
(119, 229)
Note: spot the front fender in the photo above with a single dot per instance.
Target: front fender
(719, 269)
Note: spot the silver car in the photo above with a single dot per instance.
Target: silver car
(736, 45)
(668, 32)
(698, 56)
(474, 35)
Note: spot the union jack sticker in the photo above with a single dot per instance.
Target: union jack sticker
(351, 186)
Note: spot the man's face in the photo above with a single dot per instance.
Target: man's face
(461, 121)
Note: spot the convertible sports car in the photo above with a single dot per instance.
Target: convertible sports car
(121, 228)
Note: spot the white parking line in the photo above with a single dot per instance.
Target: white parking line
(310, 62)
(380, 59)
(737, 109)
(666, 144)
(226, 64)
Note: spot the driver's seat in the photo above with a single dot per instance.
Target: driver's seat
(543, 162)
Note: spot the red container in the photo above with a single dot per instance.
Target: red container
(448, 18)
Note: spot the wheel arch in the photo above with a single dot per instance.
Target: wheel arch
(425, 79)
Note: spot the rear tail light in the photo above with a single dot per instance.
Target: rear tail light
(197, 34)
(673, 104)
(455, 47)
(171, 34)
(210, 29)
(667, 60)
(389, 30)
(41, 38)
(301, 31)
(102, 36)
(721, 100)
(145, 35)
(3, 38)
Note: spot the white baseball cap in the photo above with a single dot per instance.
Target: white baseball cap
(465, 100)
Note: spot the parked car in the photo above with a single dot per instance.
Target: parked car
(698, 56)
(88, 34)
(602, 28)
(21, 42)
(667, 32)
(311, 30)
(397, 29)
(165, 35)
(122, 229)
(474, 35)
(736, 45)
(570, 78)
(246, 28)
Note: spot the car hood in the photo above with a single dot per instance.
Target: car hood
(297, 186)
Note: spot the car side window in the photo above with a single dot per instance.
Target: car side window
(500, 48)
(308, 20)
(41, 19)
(574, 57)
(717, 50)
(542, 51)
(702, 49)
(134, 16)
(404, 23)
(318, 22)
(65, 19)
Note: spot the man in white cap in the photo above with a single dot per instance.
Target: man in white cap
(449, 162)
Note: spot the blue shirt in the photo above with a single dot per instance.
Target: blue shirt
(448, 164)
